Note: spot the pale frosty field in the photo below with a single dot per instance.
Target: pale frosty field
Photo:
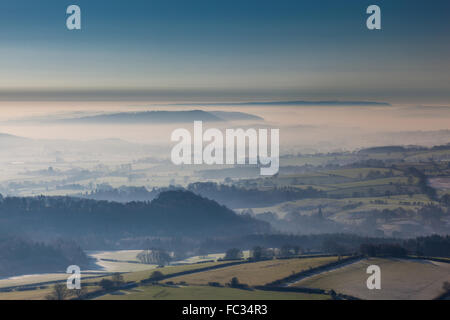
(209, 257)
(400, 279)
(123, 255)
(120, 264)
(98, 267)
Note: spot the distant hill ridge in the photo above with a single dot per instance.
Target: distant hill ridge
(163, 117)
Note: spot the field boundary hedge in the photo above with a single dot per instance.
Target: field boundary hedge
(312, 271)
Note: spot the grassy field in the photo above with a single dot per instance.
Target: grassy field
(257, 273)
(37, 294)
(40, 278)
(338, 206)
(400, 279)
(141, 275)
(206, 293)
(357, 182)
(31, 279)
(370, 183)
(358, 172)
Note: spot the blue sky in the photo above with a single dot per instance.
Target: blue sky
(234, 49)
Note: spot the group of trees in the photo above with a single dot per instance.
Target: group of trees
(383, 250)
(431, 246)
(61, 292)
(423, 183)
(112, 284)
(234, 283)
(156, 276)
(121, 194)
(261, 253)
(445, 200)
(377, 174)
(233, 254)
(154, 256)
(337, 243)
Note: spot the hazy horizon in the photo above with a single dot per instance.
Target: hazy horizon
(225, 51)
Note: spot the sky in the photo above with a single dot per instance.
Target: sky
(225, 50)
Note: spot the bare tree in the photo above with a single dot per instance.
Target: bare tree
(60, 292)
(117, 278)
(80, 293)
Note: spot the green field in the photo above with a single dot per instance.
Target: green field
(205, 293)
(256, 273)
(344, 183)
(141, 275)
(36, 294)
(339, 206)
